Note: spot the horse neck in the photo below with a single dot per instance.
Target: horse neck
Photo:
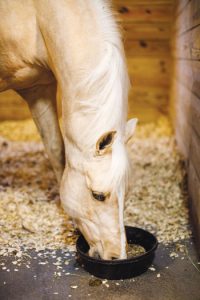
(72, 36)
(98, 103)
(77, 39)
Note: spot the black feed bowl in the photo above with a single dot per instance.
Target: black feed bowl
(121, 268)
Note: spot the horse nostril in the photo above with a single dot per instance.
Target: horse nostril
(113, 258)
(96, 255)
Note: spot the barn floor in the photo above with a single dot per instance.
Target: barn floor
(173, 279)
(36, 259)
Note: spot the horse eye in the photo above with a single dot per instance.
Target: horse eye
(99, 196)
(106, 141)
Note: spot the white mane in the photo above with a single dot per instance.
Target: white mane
(106, 87)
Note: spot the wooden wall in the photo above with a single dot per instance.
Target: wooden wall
(12, 106)
(185, 96)
(147, 31)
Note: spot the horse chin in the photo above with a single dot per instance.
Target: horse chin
(104, 246)
(110, 253)
(93, 252)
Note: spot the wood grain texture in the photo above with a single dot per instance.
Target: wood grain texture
(147, 48)
(152, 95)
(12, 106)
(188, 18)
(194, 152)
(147, 32)
(142, 13)
(187, 72)
(195, 115)
(144, 112)
(179, 6)
(185, 98)
(149, 71)
(14, 112)
(134, 31)
(11, 97)
(194, 191)
(183, 115)
(137, 2)
(187, 46)
(147, 103)
(187, 116)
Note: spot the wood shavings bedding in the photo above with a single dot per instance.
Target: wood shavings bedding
(30, 214)
(157, 200)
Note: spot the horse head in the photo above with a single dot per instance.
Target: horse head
(93, 191)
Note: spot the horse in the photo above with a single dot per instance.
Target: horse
(74, 50)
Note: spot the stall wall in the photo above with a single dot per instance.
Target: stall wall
(147, 31)
(185, 96)
(12, 106)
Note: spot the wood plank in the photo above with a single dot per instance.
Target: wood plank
(134, 31)
(195, 152)
(188, 108)
(180, 140)
(14, 113)
(149, 71)
(185, 94)
(153, 96)
(189, 17)
(10, 96)
(194, 192)
(172, 100)
(187, 116)
(182, 114)
(187, 72)
(188, 45)
(148, 80)
(145, 113)
(127, 2)
(179, 5)
(12, 106)
(147, 47)
(183, 133)
(138, 13)
(148, 103)
(195, 114)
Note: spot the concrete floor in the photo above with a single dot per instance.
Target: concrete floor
(173, 279)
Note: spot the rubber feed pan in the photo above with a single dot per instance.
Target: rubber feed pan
(121, 268)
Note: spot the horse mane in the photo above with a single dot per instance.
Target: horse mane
(106, 86)
(106, 89)
(100, 102)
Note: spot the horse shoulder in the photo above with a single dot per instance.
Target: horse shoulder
(23, 55)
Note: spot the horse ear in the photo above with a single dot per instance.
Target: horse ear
(104, 143)
(130, 128)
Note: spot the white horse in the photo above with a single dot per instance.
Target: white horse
(74, 48)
